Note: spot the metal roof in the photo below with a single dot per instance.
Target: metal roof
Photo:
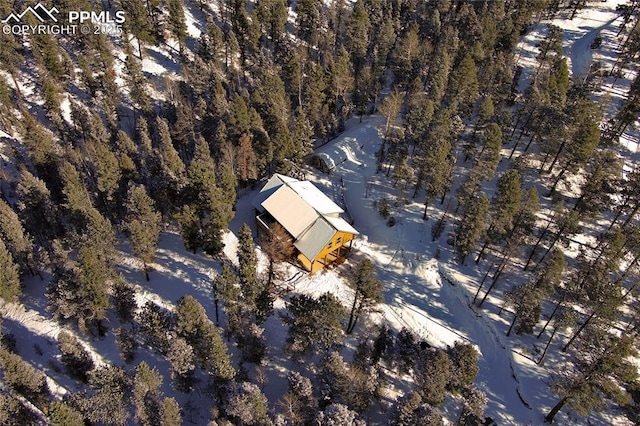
(291, 211)
(313, 241)
(342, 225)
(315, 198)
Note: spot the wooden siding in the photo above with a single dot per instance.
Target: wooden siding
(328, 253)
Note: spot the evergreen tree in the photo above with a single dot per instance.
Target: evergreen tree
(247, 267)
(18, 243)
(584, 140)
(464, 360)
(60, 414)
(601, 370)
(107, 403)
(368, 292)
(36, 208)
(177, 21)
(338, 414)
(472, 225)
(412, 410)
(24, 379)
(124, 299)
(195, 327)
(146, 394)
(432, 375)
(10, 286)
(341, 384)
(473, 407)
(143, 224)
(593, 286)
(153, 325)
(75, 357)
(182, 360)
(247, 405)
(298, 405)
(314, 323)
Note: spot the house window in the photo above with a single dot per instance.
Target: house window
(330, 244)
(339, 240)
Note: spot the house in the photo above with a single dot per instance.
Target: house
(320, 235)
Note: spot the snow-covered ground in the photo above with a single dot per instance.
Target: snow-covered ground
(427, 295)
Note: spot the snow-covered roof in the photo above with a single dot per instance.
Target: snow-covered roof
(341, 225)
(315, 198)
(304, 211)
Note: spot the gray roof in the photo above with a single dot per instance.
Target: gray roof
(313, 241)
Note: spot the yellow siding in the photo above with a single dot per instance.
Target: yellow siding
(338, 240)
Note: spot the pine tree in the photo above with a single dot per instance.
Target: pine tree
(432, 375)
(204, 197)
(472, 225)
(10, 285)
(338, 414)
(247, 267)
(584, 140)
(170, 412)
(143, 224)
(598, 294)
(124, 299)
(464, 360)
(154, 324)
(195, 327)
(75, 357)
(24, 379)
(36, 208)
(61, 414)
(314, 323)
(181, 357)
(247, 405)
(601, 371)
(503, 210)
(343, 384)
(367, 292)
(299, 403)
(107, 403)
(177, 21)
(146, 394)
(16, 240)
(473, 407)
(412, 410)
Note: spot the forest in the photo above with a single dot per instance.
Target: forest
(522, 163)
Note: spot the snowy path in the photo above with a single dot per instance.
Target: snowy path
(415, 295)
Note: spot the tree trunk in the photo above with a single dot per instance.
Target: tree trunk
(577, 333)
(555, 158)
(499, 271)
(549, 417)
(352, 314)
(484, 247)
(426, 206)
(557, 181)
(146, 272)
(550, 318)
(515, 317)
(535, 247)
(546, 348)
(482, 283)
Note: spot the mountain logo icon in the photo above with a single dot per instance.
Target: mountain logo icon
(40, 12)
